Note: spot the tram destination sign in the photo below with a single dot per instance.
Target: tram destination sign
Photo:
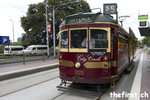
(81, 19)
(99, 52)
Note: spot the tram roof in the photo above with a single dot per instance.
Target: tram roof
(89, 17)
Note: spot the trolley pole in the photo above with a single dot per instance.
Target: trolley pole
(47, 29)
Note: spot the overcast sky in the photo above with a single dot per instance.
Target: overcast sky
(14, 9)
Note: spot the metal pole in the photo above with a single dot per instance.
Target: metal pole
(54, 30)
(13, 30)
(47, 29)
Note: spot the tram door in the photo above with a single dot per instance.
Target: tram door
(113, 53)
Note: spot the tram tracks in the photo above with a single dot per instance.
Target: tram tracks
(70, 95)
(17, 84)
(80, 91)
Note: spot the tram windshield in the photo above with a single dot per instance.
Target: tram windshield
(98, 39)
(77, 38)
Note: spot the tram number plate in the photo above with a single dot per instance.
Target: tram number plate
(79, 72)
(101, 52)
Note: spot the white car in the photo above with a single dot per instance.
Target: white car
(13, 50)
(35, 49)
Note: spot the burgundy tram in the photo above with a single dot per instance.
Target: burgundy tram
(93, 48)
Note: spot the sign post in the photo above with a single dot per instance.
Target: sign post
(144, 27)
(143, 20)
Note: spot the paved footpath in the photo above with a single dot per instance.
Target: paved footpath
(21, 66)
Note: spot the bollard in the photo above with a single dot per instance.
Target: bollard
(113, 84)
(144, 50)
(24, 59)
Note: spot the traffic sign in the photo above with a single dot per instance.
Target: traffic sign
(4, 40)
(49, 28)
(143, 17)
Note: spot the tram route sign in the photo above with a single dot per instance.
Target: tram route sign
(110, 8)
(4, 40)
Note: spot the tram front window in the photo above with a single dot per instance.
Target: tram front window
(78, 38)
(64, 39)
(98, 39)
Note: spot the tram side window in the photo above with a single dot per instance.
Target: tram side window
(64, 39)
(123, 44)
(98, 39)
(78, 38)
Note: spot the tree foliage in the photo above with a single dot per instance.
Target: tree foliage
(146, 41)
(34, 23)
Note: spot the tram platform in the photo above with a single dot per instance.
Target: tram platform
(145, 78)
(19, 69)
(141, 84)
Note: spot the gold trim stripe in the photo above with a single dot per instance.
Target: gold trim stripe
(123, 37)
(96, 65)
(114, 76)
(66, 63)
(113, 64)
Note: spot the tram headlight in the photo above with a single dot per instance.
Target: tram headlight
(77, 65)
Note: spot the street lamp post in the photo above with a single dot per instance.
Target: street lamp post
(13, 30)
(54, 22)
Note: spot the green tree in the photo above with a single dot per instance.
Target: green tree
(34, 22)
(146, 41)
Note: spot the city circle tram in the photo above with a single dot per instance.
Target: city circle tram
(94, 49)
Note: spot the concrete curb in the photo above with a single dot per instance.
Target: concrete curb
(19, 73)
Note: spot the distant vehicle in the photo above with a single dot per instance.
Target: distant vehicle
(35, 49)
(12, 50)
(141, 46)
